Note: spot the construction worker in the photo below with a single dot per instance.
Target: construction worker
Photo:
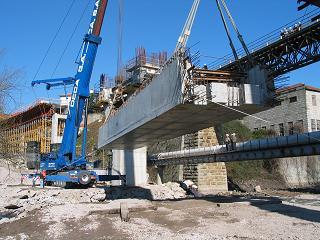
(33, 181)
(227, 141)
(43, 175)
(205, 67)
(233, 140)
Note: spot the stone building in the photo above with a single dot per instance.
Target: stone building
(296, 111)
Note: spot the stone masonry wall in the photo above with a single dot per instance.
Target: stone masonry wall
(212, 177)
(190, 171)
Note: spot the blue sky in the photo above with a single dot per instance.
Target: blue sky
(28, 27)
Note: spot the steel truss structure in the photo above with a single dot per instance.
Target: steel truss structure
(289, 53)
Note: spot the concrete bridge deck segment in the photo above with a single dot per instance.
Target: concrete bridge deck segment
(173, 105)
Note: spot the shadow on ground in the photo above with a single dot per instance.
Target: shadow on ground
(271, 204)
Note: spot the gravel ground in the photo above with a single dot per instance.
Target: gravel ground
(55, 213)
(178, 219)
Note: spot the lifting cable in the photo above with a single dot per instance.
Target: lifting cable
(70, 38)
(240, 37)
(51, 44)
(185, 34)
(228, 32)
(202, 96)
(275, 32)
(120, 40)
(54, 39)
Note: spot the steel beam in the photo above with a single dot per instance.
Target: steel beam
(292, 52)
(307, 3)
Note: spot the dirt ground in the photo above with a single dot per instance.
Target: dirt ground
(297, 217)
(156, 212)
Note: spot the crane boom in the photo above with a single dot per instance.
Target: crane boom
(81, 90)
(183, 39)
(66, 158)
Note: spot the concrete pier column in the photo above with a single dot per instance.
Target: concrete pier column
(132, 163)
(118, 166)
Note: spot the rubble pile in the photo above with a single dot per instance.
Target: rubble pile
(168, 191)
(18, 200)
(9, 176)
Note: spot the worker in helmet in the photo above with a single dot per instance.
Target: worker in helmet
(233, 140)
(205, 67)
(227, 141)
(43, 175)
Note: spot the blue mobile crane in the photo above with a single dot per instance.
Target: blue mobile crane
(65, 166)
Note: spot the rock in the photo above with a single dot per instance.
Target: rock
(96, 194)
(24, 197)
(55, 194)
(12, 206)
(8, 214)
(257, 189)
(187, 185)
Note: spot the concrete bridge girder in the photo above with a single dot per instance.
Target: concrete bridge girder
(173, 105)
(161, 110)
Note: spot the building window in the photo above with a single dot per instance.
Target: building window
(256, 129)
(314, 100)
(313, 125)
(318, 125)
(290, 128)
(272, 130)
(264, 128)
(281, 129)
(293, 99)
(61, 126)
(278, 103)
(299, 126)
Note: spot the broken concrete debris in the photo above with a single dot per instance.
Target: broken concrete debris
(26, 199)
(257, 189)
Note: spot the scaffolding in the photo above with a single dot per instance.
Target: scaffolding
(31, 125)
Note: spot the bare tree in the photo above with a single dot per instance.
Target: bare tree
(8, 87)
(8, 84)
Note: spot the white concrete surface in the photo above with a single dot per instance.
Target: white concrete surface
(133, 164)
(55, 137)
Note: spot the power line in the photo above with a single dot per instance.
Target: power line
(70, 38)
(54, 39)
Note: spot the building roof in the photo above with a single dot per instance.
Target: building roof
(4, 116)
(295, 87)
(35, 111)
